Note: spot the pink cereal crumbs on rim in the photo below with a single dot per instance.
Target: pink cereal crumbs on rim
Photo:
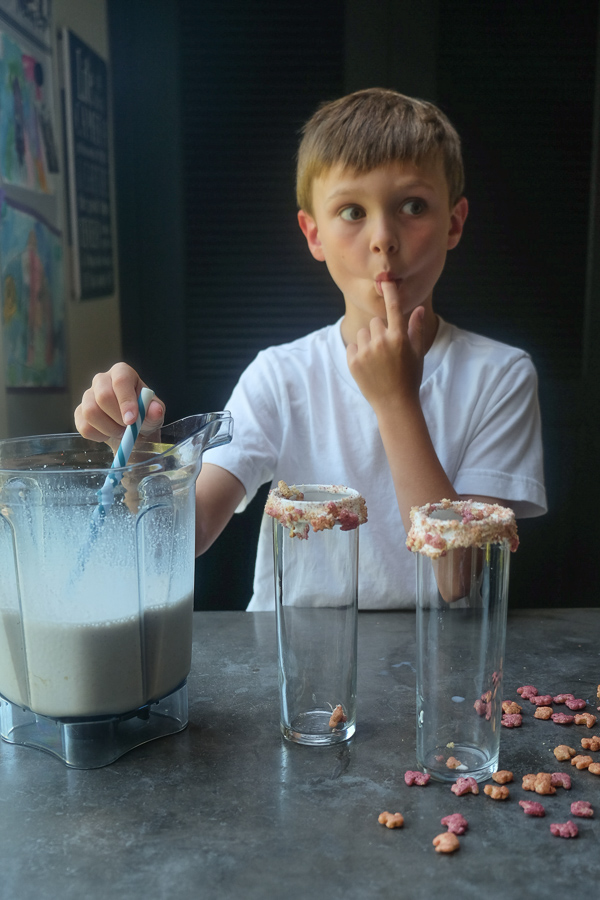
(455, 823)
(472, 525)
(576, 704)
(466, 785)
(561, 779)
(582, 808)
(562, 719)
(418, 778)
(514, 720)
(290, 508)
(565, 829)
(532, 808)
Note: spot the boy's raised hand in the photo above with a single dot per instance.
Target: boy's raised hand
(387, 360)
(111, 403)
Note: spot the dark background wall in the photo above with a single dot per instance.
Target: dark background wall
(209, 98)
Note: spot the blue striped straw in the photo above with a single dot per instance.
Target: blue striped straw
(106, 493)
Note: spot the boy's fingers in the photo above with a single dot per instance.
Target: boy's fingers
(155, 416)
(126, 385)
(391, 298)
(415, 329)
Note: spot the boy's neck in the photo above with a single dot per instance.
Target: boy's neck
(350, 328)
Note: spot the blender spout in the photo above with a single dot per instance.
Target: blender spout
(202, 432)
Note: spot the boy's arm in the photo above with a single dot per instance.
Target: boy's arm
(387, 364)
(218, 494)
(111, 403)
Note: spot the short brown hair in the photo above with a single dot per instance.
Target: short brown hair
(375, 127)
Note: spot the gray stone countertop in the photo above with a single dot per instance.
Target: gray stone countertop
(228, 808)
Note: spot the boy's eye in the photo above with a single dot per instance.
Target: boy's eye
(352, 213)
(413, 207)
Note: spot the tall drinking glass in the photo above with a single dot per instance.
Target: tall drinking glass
(463, 552)
(316, 594)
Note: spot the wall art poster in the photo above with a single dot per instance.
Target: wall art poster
(32, 293)
(28, 151)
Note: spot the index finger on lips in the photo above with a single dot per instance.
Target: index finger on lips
(391, 298)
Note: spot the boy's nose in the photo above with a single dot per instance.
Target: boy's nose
(384, 238)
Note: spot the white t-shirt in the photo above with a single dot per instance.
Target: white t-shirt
(299, 416)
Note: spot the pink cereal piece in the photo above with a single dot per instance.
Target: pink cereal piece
(561, 779)
(480, 707)
(527, 691)
(565, 830)
(455, 823)
(582, 808)
(511, 720)
(466, 785)
(531, 808)
(576, 704)
(562, 698)
(419, 778)
(541, 700)
(562, 719)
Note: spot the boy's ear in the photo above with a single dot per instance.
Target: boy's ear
(457, 221)
(311, 233)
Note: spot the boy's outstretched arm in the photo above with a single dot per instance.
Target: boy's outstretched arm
(111, 403)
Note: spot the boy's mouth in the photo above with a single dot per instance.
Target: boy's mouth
(385, 276)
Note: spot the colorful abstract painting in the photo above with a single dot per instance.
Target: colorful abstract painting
(27, 147)
(33, 305)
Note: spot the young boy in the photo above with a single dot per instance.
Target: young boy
(390, 400)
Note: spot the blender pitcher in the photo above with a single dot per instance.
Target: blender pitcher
(96, 611)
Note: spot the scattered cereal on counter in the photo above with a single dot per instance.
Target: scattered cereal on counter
(497, 791)
(511, 708)
(338, 715)
(532, 808)
(391, 820)
(562, 698)
(512, 721)
(543, 712)
(419, 778)
(561, 779)
(527, 691)
(447, 842)
(541, 700)
(562, 719)
(480, 707)
(466, 785)
(594, 768)
(455, 823)
(502, 777)
(582, 762)
(591, 743)
(563, 752)
(582, 808)
(453, 763)
(576, 704)
(565, 830)
(540, 783)
(585, 719)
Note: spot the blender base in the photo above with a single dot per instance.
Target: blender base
(98, 741)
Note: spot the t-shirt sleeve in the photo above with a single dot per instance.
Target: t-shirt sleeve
(504, 457)
(255, 447)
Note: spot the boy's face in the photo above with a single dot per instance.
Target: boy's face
(392, 223)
